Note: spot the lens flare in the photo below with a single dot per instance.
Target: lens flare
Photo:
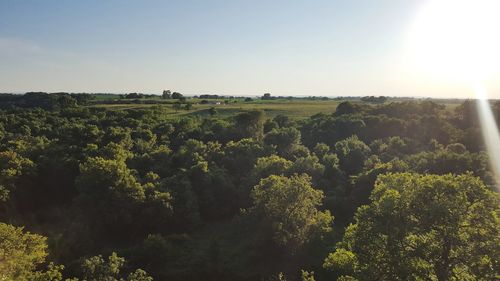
(453, 40)
(490, 131)
(458, 40)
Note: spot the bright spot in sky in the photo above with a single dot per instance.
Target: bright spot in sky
(459, 39)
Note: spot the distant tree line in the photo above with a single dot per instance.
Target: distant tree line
(44, 100)
(380, 99)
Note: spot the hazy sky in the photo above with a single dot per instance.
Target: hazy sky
(350, 47)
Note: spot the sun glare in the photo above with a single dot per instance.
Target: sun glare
(457, 39)
(490, 132)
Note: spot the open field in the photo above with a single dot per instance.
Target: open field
(294, 108)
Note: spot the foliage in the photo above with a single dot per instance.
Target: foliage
(422, 227)
(97, 269)
(242, 192)
(285, 140)
(20, 252)
(352, 154)
(289, 206)
(14, 167)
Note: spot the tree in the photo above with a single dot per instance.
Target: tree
(309, 165)
(64, 100)
(166, 94)
(13, 168)
(423, 227)
(272, 165)
(176, 106)
(321, 149)
(466, 114)
(282, 120)
(53, 273)
(266, 96)
(269, 125)
(347, 108)
(250, 124)
(456, 148)
(380, 99)
(328, 129)
(212, 111)
(289, 209)
(97, 269)
(176, 95)
(100, 178)
(20, 252)
(109, 191)
(38, 100)
(284, 139)
(443, 161)
(240, 156)
(133, 96)
(352, 154)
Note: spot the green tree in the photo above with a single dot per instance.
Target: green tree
(321, 149)
(101, 177)
(269, 125)
(176, 106)
(266, 96)
(212, 111)
(282, 120)
(116, 203)
(97, 269)
(12, 168)
(352, 154)
(20, 252)
(176, 95)
(272, 165)
(284, 139)
(423, 227)
(309, 165)
(240, 156)
(53, 273)
(289, 208)
(250, 124)
(347, 107)
(166, 94)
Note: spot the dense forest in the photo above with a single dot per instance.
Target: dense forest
(378, 190)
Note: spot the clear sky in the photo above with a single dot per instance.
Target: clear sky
(233, 47)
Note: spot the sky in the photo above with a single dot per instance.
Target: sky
(323, 48)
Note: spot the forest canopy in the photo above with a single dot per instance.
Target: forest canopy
(377, 190)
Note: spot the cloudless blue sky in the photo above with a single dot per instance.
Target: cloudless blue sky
(329, 47)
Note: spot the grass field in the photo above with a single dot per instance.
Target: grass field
(293, 108)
